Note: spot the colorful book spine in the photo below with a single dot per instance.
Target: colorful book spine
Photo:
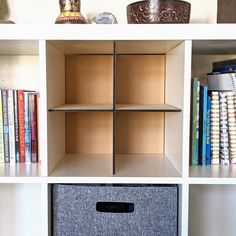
(38, 128)
(27, 128)
(208, 132)
(232, 125)
(33, 127)
(5, 126)
(215, 128)
(17, 142)
(20, 96)
(11, 124)
(202, 125)
(224, 132)
(195, 122)
(2, 158)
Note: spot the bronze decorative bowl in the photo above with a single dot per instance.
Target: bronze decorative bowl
(158, 12)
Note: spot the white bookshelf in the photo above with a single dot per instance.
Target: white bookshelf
(39, 52)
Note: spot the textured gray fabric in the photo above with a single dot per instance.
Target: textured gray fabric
(155, 210)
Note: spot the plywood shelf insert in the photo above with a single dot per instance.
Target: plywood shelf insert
(147, 107)
(144, 165)
(84, 165)
(82, 107)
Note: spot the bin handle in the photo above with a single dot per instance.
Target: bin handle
(115, 207)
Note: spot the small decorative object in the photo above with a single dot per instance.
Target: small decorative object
(70, 13)
(158, 12)
(105, 18)
(226, 11)
(4, 12)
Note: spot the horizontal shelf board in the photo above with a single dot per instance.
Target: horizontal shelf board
(115, 180)
(215, 181)
(119, 180)
(82, 107)
(118, 32)
(146, 107)
(20, 169)
(213, 171)
(145, 47)
(84, 47)
(144, 165)
(84, 165)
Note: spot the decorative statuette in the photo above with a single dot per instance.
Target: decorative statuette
(70, 13)
(4, 13)
(105, 18)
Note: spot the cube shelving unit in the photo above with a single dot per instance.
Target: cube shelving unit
(114, 108)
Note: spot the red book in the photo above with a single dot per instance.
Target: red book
(38, 122)
(33, 127)
(21, 120)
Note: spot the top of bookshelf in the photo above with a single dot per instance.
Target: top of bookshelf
(118, 32)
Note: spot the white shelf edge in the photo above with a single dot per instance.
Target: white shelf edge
(118, 32)
(118, 180)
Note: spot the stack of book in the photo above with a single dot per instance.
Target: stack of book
(18, 126)
(213, 117)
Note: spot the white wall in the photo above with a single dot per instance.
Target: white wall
(46, 11)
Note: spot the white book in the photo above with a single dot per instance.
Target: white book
(2, 159)
(225, 81)
(11, 124)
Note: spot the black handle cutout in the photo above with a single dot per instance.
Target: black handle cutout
(115, 207)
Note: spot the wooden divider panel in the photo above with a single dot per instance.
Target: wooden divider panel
(89, 132)
(89, 79)
(140, 79)
(140, 132)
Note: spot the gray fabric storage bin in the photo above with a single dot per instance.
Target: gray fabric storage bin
(114, 210)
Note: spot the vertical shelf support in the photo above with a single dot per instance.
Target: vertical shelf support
(43, 136)
(114, 109)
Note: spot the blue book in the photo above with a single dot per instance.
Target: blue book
(203, 125)
(224, 68)
(208, 132)
(27, 128)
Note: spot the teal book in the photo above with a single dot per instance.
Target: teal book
(208, 132)
(195, 122)
(203, 125)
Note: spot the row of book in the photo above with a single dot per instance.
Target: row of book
(18, 126)
(213, 117)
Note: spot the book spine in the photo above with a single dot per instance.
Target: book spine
(38, 128)
(208, 132)
(5, 126)
(231, 126)
(33, 127)
(20, 99)
(27, 128)
(224, 68)
(191, 124)
(195, 122)
(215, 128)
(233, 78)
(17, 142)
(224, 132)
(11, 125)
(202, 125)
(1, 132)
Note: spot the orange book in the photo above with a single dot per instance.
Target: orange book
(20, 96)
